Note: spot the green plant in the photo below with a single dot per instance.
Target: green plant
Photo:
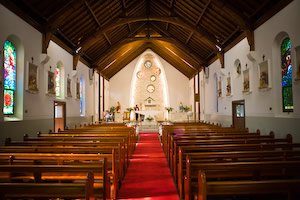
(129, 109)
(183, 108)
(149, 118)
(169, 109)
(112, 109)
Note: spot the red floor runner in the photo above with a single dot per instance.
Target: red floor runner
(148, 175)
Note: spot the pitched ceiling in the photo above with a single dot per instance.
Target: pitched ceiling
(109, 34)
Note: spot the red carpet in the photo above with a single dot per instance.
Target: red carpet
(148, 175)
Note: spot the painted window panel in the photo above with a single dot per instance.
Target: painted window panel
(286, 74)
(8, 108)
(57, 81)
(10, 77)
(81, 97)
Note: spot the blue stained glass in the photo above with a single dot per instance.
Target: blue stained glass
(9, 65)
(81, 97)
(10, 77)
(286, 74)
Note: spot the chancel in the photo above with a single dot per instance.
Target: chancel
(150, 99)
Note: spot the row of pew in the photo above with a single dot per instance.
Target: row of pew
(209, 161)
(88, 162)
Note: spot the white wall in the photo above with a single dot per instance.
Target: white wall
(120, 84)
(263, 107)
(38, 107)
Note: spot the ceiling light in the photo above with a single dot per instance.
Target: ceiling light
(78, 49)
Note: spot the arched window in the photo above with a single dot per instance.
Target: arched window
(286, 74)
(58, 81)
(10, 77)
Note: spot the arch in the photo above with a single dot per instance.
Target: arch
(287, 75)
(17, 113)
(138, 67)
(278, 72)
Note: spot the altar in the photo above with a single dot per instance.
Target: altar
(155, 114)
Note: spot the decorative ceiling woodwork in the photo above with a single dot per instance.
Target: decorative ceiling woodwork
(109, 34)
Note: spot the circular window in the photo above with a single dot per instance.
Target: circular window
(153, 78)
(139, 74)
(150, 88)
(148, 63)
(157, 71)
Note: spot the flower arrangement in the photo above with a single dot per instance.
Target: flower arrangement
(129, 109)
(149, 118)
(169, 109)
(183, 108)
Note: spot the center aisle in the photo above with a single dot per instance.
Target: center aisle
(148, 175)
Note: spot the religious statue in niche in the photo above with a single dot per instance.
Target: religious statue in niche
(32, 77)
(238, 69)
(228, 87)
(263, 75)
(246, 81)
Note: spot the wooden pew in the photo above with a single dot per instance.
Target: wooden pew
(174, 159)
(63, 181)
(76, 142)
(232, 156)
(246, 178)
(49, 155)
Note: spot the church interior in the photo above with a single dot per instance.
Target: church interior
(150, 99)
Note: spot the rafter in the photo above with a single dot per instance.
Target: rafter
(60, 16)
(104, 57)
(171, 12)
(121, 63)
(180, 44)
(239, 20)
(46, 40)
(179, 65)
(198, 20)
(96, 19)
(211, 40)
(119, 44)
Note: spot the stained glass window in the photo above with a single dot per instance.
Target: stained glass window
(81, 96)
(286, 74)
(57, 81)
(10, 77)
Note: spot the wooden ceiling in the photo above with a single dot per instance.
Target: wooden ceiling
(109, 34)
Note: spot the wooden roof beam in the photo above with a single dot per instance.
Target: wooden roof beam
(59, 17)
(211, 40)
(125, 60)
(239, 20)
(119, 44)
(171, 11)
(175, 63)
(96, 19)
(180, 45)
(198, 20)
(45, 41)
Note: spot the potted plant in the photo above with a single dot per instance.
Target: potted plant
(169, 109)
